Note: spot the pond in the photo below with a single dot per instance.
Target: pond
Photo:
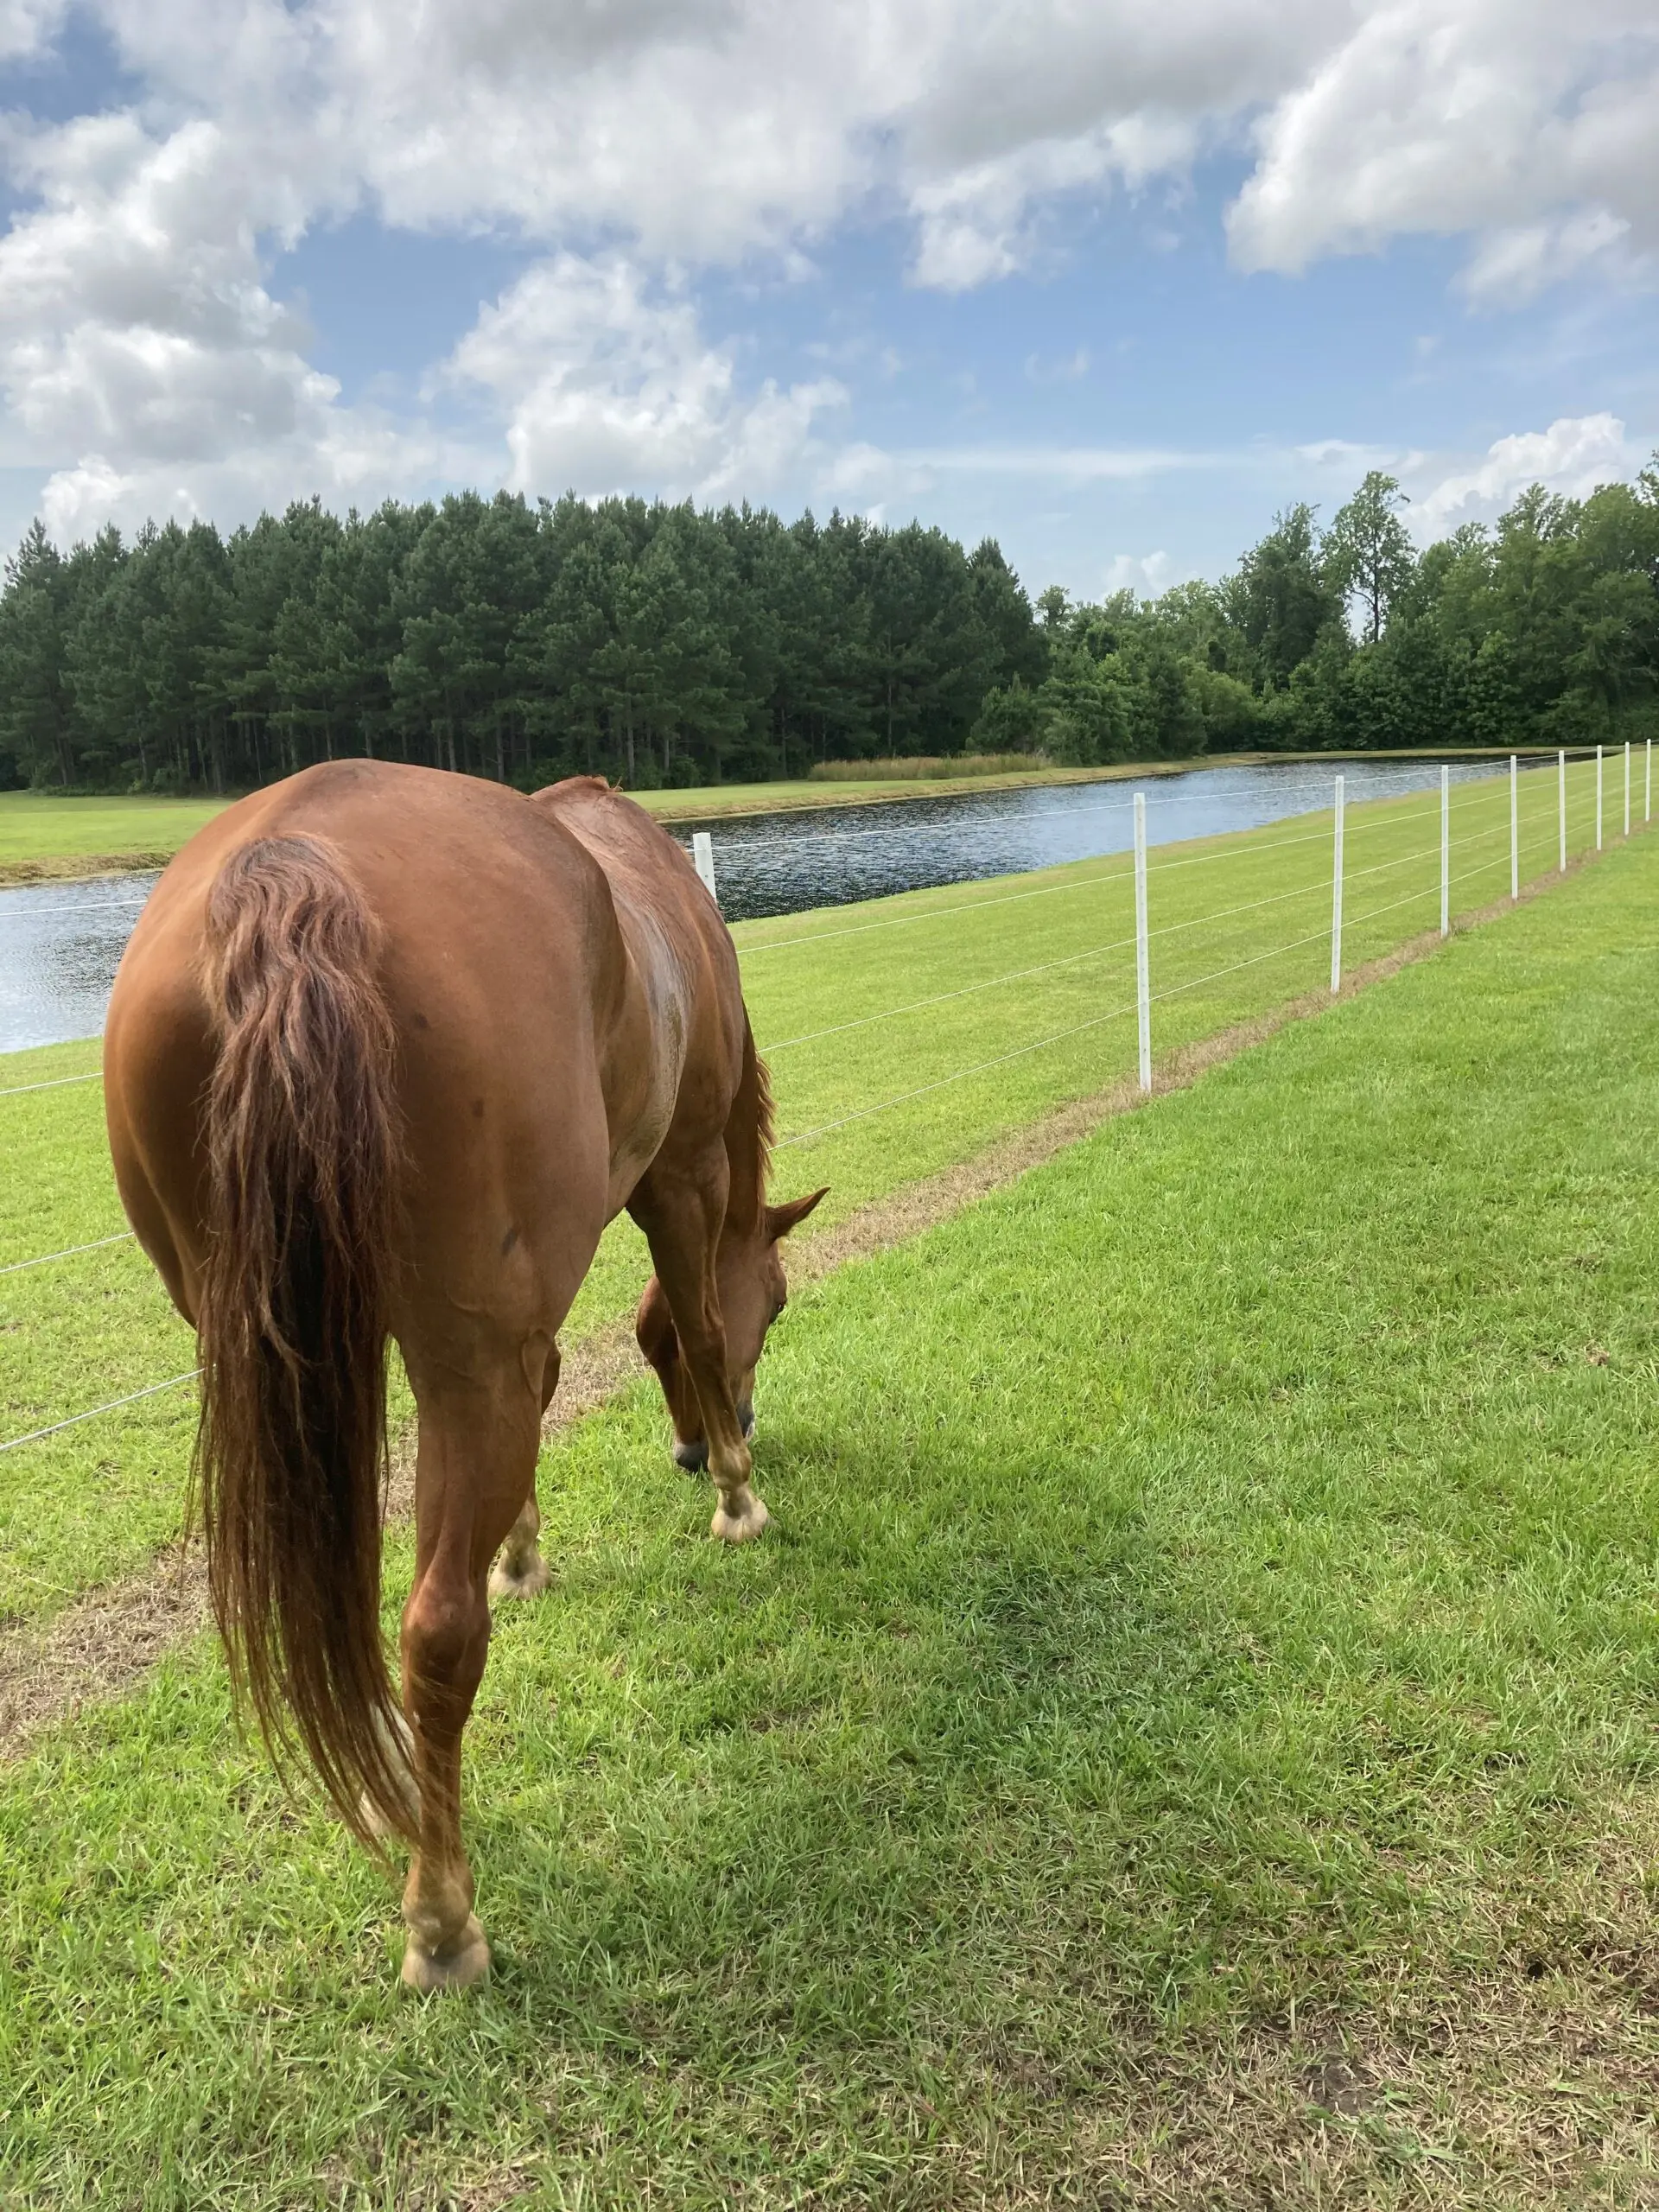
(783, 863)
(59, 943)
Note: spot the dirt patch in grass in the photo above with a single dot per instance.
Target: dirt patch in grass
(1527, 2081)
(105, 1642)
(1484, 2094)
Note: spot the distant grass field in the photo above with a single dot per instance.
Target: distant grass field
(42, 836)
(1025, 983)
(1187, 1741)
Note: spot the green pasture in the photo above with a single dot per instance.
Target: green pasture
(870, 1016)
(40, 836)
(1188, 1738)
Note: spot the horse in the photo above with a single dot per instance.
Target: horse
(387, 1050)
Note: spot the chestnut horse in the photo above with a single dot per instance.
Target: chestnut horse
(387, 1051)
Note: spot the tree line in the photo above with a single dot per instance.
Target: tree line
(663, 644)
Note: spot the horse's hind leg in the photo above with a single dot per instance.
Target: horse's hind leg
(682, 1214)
(521, 1571)
(475, 1469)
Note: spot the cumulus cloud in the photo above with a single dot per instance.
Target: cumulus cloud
(981, 222)
(347, 455)
(706, 129)
(876, 476)
(1529, 126)
(131, 300)
(137, 335)
(606, 383)
(1572, 457)
(1147, 574)
(142, 344)
(27, 26)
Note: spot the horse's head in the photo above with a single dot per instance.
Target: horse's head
(752, 1294)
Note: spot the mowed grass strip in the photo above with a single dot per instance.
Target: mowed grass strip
(1187, 1740)
(861, 1007)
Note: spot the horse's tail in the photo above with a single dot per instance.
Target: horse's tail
(302, 1141)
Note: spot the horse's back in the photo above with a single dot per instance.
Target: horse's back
(660, 900)
(497, 956)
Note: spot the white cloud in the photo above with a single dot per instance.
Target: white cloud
(978, 223)
(607, 384)
(27, 26)
(706, 129)
(1572, 457)
(1146, 573)
(863, 464)
(1066, 368)
(137, 335)
(1530, 126)
(1509, 266)
(142, 345)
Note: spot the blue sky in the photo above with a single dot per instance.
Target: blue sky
(1109, 287)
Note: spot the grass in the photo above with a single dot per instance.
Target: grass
(40, 836)
(93, 1503)
(1188, 1739)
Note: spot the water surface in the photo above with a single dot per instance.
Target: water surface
(60, 942)
(783, 863)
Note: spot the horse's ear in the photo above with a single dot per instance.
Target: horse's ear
(781, 1220)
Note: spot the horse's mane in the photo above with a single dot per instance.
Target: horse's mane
(764, 1125)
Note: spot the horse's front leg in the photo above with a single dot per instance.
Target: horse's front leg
(682, 1211)
(475, 1468)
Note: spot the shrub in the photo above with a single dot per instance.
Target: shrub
(925, 768)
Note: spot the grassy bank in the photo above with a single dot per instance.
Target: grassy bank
(1188, 1740)
(904, 1035)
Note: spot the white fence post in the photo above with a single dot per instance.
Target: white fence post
(703, 853)
(1142, 968)
(1561, 806)
(1336, 896)
(1647, 801)
(1514, 829)
(1446, 851)
(1627, 787)
(1597, 799)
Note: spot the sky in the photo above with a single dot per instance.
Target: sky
(1111, 283)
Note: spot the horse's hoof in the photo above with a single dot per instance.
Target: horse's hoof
(535, 1578)
(750, 1519)
(466, 1960)
(693, 1457)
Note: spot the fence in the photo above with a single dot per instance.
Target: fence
(1156, 958)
